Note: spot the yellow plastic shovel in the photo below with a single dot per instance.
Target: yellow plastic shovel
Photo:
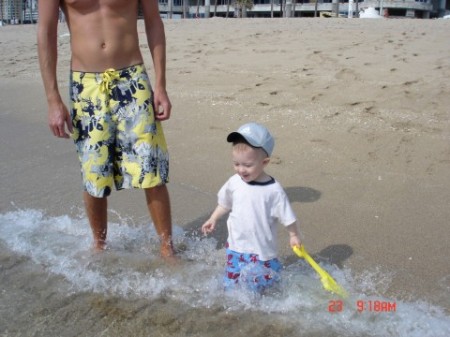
(327, 281)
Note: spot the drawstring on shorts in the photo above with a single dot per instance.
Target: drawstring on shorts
(108, 76)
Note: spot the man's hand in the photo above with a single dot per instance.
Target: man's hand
(163, 107)
(58, 119)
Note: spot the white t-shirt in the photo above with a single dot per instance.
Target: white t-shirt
(256, 210)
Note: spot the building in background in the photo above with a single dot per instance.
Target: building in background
(25, 11)
(18, 11)
(302, 8)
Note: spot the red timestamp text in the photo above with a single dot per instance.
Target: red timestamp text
(363, 306)
(375, 306)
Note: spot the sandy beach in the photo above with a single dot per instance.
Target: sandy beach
(360, 112)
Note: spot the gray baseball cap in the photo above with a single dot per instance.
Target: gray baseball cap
(256, 135)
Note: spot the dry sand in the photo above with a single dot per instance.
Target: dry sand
(359, 110)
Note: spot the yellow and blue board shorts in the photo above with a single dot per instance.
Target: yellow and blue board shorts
(117, 138)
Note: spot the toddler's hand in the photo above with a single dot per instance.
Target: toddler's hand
(294, 240)
(208, 227)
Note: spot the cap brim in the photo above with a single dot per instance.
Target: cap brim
(234, 136)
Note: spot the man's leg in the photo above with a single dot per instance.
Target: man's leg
(158, 203)
(96, 210)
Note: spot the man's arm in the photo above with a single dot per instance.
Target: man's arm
(58, 116)
(156, 39)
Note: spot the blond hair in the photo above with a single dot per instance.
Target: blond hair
(242, 145)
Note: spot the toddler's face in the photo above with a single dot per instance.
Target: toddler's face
(249, 163)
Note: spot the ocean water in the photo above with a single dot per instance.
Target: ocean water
(52, 284)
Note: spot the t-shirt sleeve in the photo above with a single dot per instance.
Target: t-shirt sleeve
(224, 197)
(284, 211)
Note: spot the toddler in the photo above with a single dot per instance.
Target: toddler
(256, 204)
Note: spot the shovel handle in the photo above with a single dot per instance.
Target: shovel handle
(301, 252)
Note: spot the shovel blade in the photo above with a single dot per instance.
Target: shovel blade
(330, 284)
(327, 281)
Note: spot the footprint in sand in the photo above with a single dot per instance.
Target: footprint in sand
(346, 74)
(408, 83)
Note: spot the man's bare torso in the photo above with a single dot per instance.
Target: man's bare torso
(103, 33)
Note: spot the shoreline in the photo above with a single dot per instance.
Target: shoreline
(358, 109)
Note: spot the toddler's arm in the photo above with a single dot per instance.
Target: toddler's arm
(294, 239)
(210, 224)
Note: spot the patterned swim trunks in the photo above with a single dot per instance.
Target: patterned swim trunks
(117, 137)
(245, 268)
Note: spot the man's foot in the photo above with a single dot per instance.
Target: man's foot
(100, 245)
(168, 253)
